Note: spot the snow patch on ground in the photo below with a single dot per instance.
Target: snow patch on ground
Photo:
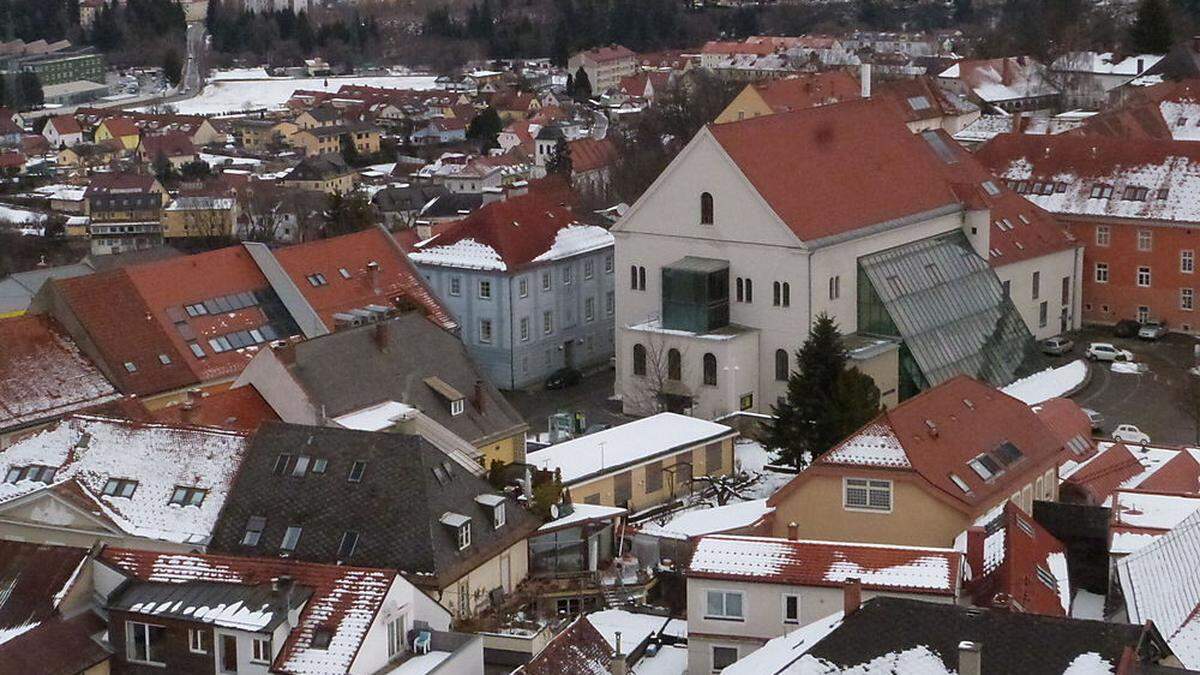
(228, 95)
(1049, 383)
(13, 214)
(1127, 367)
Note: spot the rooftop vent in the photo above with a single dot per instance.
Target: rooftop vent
(933, 430)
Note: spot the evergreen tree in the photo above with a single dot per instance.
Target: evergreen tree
(29, 88)
(486, 126)
(4, 102)
(825, 400)
(1151, 32)
(570, 85)
(583, 85)
(349, 151)
(172, 66)
(304, 34)
(347, 213)
(163, 169)
(560, 162)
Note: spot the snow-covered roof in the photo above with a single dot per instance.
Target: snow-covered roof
(86, 453)
(575, 239)
(1161, 583)
(376, 417)
(708, 520)
(581, 513)
(634, 628)
(1105, 63)
(784, 651)
(1049, 383)
(1117, 466)
(626, 445)
(820, 563)
(874, 445)
(464, 253)
(344, 601)
(1138, 518)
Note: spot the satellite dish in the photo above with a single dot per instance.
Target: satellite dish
(554, 511)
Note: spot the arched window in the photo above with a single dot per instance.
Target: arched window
(781, 364)
(710, 370)
(787, 294)
(674, 365)
(776, 295)
(706, 208)
(641, 278)
(639, 360)
(741, 296)
(749, 290)
(633, 277)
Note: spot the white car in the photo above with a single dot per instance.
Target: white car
(1103, 351)
(1127, 433)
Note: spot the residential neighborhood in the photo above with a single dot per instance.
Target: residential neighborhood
(593, 338)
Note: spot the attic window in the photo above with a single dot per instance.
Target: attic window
(130, 367)
(319, 465)
(322, 638)
(188, 496)
(1134, 193)
(195, 310)
(990, 188)
(1008, 453)
(346, 548)
(316, 279)
(1163, 193)
(119, 487)
(1023, 218)
(35, 472)
(1025, 526)
(344, 272)
(291, 538)
(984, 466)
(1101, 191)
(281, 464)
(197, 350)
(254, 529)
(356, 471)
(457, 407)
(1078, 444)
(164, 359)
(960, 483)
(301, 466)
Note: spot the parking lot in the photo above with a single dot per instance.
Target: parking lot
(591, 397)
(1153, 400)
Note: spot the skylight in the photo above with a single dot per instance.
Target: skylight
(188, 496)
(349, 543)
(254, 530)
(991, 188)
(1008, 453)
(119, 487)
(291, 538)
(962, 484)
(918, 103)
(356, 471)
(940, 148)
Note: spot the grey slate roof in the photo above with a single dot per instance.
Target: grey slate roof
(453, 204)
(408, 197)
(1012, 642)
(395, 508)
(321, 167)
(347, 371)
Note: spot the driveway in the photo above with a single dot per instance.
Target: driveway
(1152, 400)
(591, 397)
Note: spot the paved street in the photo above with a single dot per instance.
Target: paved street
(590, 396)
(1151, 401)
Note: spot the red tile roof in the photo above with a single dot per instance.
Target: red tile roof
(903, 91)
(11, 160)
(1181, 474)
(834, 169)
(65, 124)
(7, 126)
(171, 144)
(936, 433)
(1107, 472)
(609, 53)
(57, 647)
(120, 127)
(589, 154)
(808, 91)
(345, 599)
(241, 409)
(581, 648)
(1082, 156)
(1015, 578)
(879, 567)
(1141, 115)
(34, 144)
(43, 374)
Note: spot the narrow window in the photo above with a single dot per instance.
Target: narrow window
(710, 370)
(674, 365)
(706, 208)
(639, 360)
(781, 365)
(787, 294)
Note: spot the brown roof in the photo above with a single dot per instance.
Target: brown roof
(589, 154)
(833, 169)
(170, 144)
(65, 124)
(609, 53)
(57, 647)
(120, 127)
(39, 574)
(578, 649)
(808, 91)
(241, 409)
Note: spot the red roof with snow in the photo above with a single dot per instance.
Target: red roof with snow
(609, 53)
(1028, 570)
(879, 567)
(241, 409)
(345, 600)
(808, 91)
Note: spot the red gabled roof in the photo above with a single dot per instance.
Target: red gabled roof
(170, 144)
(43, 374)
(1080, 155)
(394, 283)
(609, 53)
(879, 567)
(120, 127)
(65, 124)
(589, 154)
(57, 646)
(241, 409)
(1181, 474)
(1107, 472)
(581, 648)
(1016, 578)
(808, 91)
(1141, 115)
(344, 599)
(834, 169)
(7, 126)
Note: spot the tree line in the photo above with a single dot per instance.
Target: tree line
(285, 37)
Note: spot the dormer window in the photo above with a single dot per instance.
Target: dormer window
(498, 517)
(120, 487)
(188, 496)
(461, 525)
(495, 503)
(464, 536)
(34, 472)
(457, 407)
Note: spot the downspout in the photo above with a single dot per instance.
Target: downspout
(512, 345)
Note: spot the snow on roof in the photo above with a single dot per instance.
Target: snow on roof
(1152, 510)
(1116, 466)
(467, 253)
(421, 664)
(1106, 63)
(1161, 583)
(1049, 383)
(376, 417)
(89, 451)
(710, 520)
(919, 660)
(777, 654)
(582, 513)
(820, 563)
(875, 445)
(634, 628)
(627, 444)
(669, 660)
(575, 239)
(345, 600)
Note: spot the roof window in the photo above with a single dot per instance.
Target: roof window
(291, 538)
(130, 367)
(282, 462)
(1047, 578)
(344, 272)
(347, 546)
(990, 187)
(316, 279)
(254, 529)
(960, 483)
(119, 487)
(356, 471)
(1007, 453)
(319, 465)
(34, 472)
(164, 359)
(188, 496)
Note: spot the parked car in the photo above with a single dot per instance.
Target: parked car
(1095, 418)
(1126, 328)
(1127, 433)
(1057, 346)
(1103, 351)
(1152, 330)
(563, 378)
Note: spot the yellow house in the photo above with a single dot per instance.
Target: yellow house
(920, 474)
(321, 140)
(121, 129)
(642, 463)
(323, 173)
(791, 93)
(320, 116)
(200, 217)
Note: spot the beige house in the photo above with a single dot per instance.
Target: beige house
(921, 473)
(605, 66)
(323, 173)
(200, 217)
(743, 591)
(786, 216)
(641, 463)
(320, 140)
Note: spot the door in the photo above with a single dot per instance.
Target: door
(229, 659)
(569, 354)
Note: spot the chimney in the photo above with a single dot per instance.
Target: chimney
(851, 597)
(617, 665)
(477, 397)
(1141, 63)
(793, 531)
(281, 590)
(373, 275)
(381, 335)
(187, 412)
(424, 230)
(194, 395)
(976, 536)
(970, 658)
(864, 78)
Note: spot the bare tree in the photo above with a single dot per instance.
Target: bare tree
(653, 390)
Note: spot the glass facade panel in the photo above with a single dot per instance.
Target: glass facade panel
(958, 323)
(695, 295)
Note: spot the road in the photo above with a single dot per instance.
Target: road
(193, 71)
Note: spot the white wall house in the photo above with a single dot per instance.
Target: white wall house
(743, 591)
(786, 210)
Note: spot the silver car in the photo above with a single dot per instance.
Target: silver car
(1057, 346)
(1152, 330)
(1096, 419)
